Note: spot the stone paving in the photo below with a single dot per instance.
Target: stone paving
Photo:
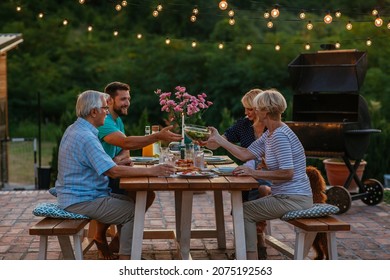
(369, 238)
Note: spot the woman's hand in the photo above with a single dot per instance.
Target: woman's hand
(213, 141)
(162, 170)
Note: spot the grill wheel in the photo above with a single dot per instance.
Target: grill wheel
(374, 190)
(340, 197)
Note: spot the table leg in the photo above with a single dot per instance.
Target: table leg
(178, 201)
(238, 225)
(219, 219)
(185, 225)
(138, 229)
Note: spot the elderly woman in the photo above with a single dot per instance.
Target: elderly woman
(284, 156)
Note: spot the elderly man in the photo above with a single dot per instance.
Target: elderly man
(84, 167)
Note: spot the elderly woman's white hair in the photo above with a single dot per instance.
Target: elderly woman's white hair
(272, 101)
(89, 100)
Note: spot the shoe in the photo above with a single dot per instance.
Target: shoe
(262, 253)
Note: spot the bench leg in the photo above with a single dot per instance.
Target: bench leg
(219, 219)
(42, 255)
(78, 248)
(303, 242)
(332, 245)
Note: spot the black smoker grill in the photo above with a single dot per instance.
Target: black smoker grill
(331, 119)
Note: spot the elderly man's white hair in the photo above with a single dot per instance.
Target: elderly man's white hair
(89, 100)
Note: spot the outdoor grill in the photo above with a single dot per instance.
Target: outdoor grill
(331, 119)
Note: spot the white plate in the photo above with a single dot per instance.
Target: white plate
(195, 174)
(224, 170)
(214, 159)
(143, 159)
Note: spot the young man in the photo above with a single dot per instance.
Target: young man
(117, 145)
(84, 167)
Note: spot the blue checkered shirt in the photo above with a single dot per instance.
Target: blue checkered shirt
(81, 164)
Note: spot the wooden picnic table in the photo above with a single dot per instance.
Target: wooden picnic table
(184, 189)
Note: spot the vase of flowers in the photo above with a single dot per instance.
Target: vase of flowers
(182, 106)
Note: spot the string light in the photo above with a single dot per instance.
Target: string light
(193, 44)
(368, 42)
(90, 28)
(249, 47)
(338, 14)
(337, 45)
(349, 25)
(81, 1)
(275, 12)
(115, 33)
(195, 11)
(307, 46)
(124, 3)
(232, 21)
(40, 15)
(302, 15)
(378, 21)
(18, 8)
(309, 25)
(328, 18)
(155, 13)
(270, 24)
(118, 7)
(388, 25)
(167, 41)
(220, 46)
(231, 13)
(139, 36)
(193, 18)
(277, 47)
(223, 5)
(266, 14)
(159, 7)
(65, 22)
(374, 12)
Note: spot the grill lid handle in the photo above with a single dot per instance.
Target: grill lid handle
(363, 131)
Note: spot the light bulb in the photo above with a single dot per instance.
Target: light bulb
(374, 12)
(277, 47)
(223, 5)
(328, 18)
(118, 7)
(159, 7)
(115, 33)
(275, 12)
(337, 45)
(307, 46)
(90, 28)
(266, 14)
(195, 11)
(193, 18)
(167, 41)
(65, 22)
(302, 15)
(231, 13)
(378, 21)
(248, 47)
(155, 13)
(124, 3)
(40, 15)
(18, 8)
(338, 14)
(139, 36)
(270, 24)
(220, 46)
(81, 1)
(368, 42)
(309, 25)
(232, 21)
(349, 25)
(193, 44)
(388, 25)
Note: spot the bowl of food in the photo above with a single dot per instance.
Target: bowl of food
(197, 132)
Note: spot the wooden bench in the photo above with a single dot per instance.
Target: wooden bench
(63, 229)
(306, 230)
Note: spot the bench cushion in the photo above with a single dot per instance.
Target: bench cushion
(51, 210)
(318, 210)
